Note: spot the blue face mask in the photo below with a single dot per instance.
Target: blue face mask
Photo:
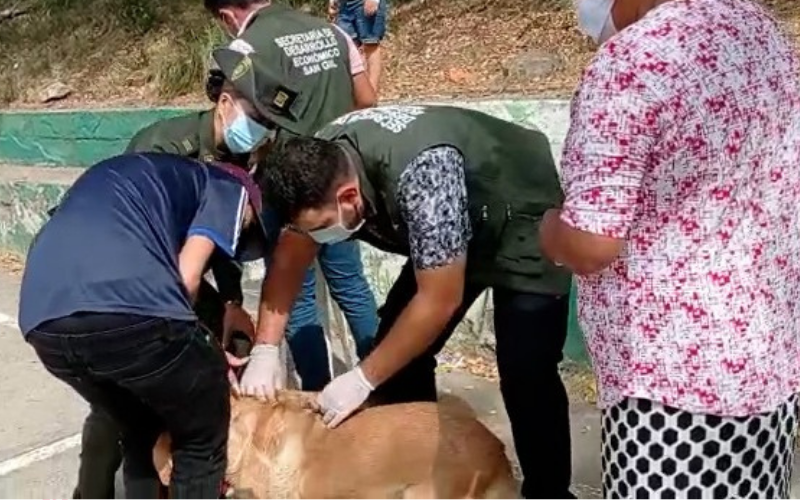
(243, 134)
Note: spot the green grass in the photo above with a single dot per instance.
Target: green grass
(119, 43)
(104, 42)
(178, 70)
(107, 49)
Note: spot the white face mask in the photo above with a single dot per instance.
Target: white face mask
(595, 20)
(335, 233)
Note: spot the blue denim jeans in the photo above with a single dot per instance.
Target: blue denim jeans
(362, 29)
(344, 273)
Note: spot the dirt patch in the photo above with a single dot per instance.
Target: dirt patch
(578, 378)
(118, 51)
(467, 48)
(11, 263)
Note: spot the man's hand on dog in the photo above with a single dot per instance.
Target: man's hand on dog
(264, 373)
(343, 396)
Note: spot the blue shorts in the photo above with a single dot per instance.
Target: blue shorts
(362, 29)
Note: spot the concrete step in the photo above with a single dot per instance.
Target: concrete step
(26, 193)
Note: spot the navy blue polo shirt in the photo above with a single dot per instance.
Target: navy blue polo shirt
(112, 245)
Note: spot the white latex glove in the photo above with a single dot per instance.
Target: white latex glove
(342, 396)
(264, 373)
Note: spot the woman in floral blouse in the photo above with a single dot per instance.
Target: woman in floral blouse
(681, 172)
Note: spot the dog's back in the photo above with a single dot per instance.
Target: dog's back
(413, 450)
(397, 451)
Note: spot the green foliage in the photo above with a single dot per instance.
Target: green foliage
(8, 89)
(183, 66)
(89, 43)
(58, 6)
(138, 16)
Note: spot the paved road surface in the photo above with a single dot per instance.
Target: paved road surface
(41, 419)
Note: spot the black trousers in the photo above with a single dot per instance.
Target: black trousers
(150, 375)
(531, 330)
(101, 455)
(101, 451)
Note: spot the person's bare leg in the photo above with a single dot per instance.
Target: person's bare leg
(373, 57)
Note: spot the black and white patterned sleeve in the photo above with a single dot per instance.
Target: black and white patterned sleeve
(432, 198)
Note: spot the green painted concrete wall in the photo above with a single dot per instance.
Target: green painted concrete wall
(71, 138)
(81, 138)
(23, 207)
(41, 152)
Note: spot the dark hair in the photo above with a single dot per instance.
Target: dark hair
(300, 173)
(214, 83)
(214, 6)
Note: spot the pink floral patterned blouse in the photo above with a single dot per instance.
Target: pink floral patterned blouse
(685, 141)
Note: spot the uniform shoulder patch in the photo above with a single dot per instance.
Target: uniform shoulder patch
(245, 65)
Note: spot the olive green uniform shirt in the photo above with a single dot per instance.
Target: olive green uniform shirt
(189, 135)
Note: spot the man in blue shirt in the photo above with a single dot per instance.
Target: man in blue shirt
(107, 303)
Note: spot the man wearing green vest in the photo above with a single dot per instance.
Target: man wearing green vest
(324, 66)
(461, 194)
(318, 58)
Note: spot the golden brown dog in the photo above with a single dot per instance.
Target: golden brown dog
(282, 449)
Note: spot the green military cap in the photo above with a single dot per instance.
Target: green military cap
(258, 84)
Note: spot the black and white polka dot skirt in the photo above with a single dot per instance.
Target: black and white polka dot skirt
(653, 451)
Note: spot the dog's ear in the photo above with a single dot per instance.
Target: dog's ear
(162, 458)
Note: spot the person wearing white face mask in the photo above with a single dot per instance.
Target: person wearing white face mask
(680, 171)
(460, 193)
(339, 261)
